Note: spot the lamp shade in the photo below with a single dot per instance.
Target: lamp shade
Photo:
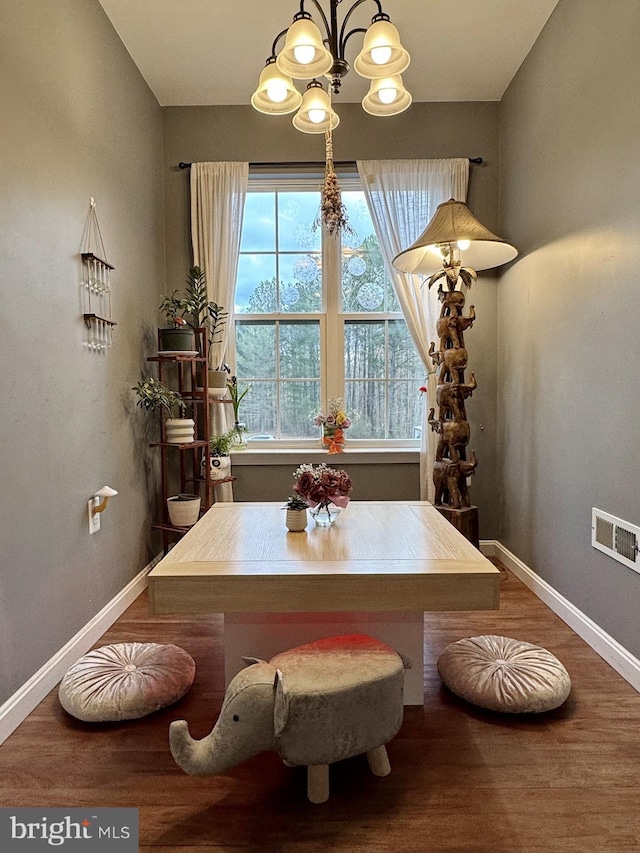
(382, 55)
(452, 222)
(386, 97)
(304, 55)
(276, 94)
(315, 114)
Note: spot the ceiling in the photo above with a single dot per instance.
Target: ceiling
(212, 51)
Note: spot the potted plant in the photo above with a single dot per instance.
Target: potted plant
(219, 461)
(296, 508)
(178, 336)
(240, 429)
(218, 370)
(184, 509)
(155, 396)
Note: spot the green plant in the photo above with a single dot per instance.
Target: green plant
(295, 502)
(220, 445)
(236, 396)
(196, 311)
(171, 306)
(154, 395)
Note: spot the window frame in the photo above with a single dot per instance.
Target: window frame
(331, 320)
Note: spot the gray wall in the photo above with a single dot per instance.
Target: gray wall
(425, 130)
(569, 345)
(77, 121)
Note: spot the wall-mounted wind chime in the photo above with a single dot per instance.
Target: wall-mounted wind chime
(96, 274)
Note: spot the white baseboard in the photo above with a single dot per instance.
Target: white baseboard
(602, 643)
(32, 692)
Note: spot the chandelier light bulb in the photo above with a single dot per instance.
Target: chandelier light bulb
(276, 92)
(387, 96)
(304, 53)
(380, 55)
(317, 116)
(464, 244)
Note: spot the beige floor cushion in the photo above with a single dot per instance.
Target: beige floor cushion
(125, 681)
(502, 674)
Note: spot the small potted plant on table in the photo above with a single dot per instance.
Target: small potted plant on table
(296, 508)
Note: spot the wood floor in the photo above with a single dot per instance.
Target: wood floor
(462, 780)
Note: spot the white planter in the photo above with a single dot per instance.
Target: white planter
(180, 430)
(183, 511)
(296, 520)
(219, 467)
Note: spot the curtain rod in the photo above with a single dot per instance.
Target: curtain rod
(309, 163)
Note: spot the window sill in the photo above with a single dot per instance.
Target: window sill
(351, 456)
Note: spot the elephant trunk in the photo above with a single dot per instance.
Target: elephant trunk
(197, 757)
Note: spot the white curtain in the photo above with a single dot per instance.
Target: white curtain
(402, 196)
(218, 193)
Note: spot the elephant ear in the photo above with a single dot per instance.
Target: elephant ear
(407, 663)
(249, 661)
(281, 704)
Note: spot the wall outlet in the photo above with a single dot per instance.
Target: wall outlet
(94, 517)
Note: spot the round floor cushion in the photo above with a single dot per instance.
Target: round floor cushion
(506, 675)
(125, 681)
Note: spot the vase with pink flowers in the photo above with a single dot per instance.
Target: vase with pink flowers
(326, 491)
(334, 422)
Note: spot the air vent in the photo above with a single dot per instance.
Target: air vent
(615, 537)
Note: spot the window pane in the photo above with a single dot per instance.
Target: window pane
(259, 223)
(300, 283)
(297, 402)
(299, 348)
(365, 286)
(365, 401)
(403, 359)
(405, 410)
(256, 350)
(259, 409)
(256, 284)
(364, 350)
(297, 212)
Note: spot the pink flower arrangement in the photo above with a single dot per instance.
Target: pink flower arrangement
(334, 417)
(322, 485)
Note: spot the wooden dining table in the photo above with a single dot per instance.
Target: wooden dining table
(377, 570)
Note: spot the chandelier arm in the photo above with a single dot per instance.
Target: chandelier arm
(343, 41)
(322, 15)
(275, 42)
(343, 38)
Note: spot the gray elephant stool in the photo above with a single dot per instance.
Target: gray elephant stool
(314, 705)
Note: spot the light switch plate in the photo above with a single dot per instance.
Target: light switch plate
(94, 517)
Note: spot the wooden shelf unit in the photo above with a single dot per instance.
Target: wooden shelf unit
(189, 374)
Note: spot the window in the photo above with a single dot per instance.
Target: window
(316, 317)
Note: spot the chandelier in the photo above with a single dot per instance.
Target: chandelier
(309, 53)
